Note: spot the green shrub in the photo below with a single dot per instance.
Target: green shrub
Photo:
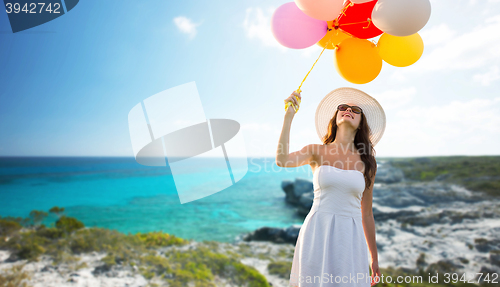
(159, 239)
(280, 268)
(68, 224)
(29, 246)
(51, 233)
(193, 265)
(37, 216)
(57, 210)
(7, 227)
(157, 264)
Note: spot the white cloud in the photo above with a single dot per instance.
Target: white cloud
(437, 35)
(485, 79)
(467, 51)
(397, 76)
(392, 99)
(257, 25)
(186, 26)
(313, 51)
(473, 2)
(460, 127)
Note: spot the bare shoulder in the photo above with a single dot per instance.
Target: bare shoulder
(313, 149)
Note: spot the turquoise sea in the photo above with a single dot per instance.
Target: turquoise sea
(118, 193)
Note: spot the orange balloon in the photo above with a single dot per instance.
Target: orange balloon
(332, 37)
(357, 60)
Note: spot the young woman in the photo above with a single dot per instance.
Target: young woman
(333, 242)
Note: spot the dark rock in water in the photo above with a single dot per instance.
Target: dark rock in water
(287, 186)
(276, 235)
(305, 203)
(294, 189)
(292, 232)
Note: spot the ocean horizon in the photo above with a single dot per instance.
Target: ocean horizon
(118, 193)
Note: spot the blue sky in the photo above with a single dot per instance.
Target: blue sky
(67, 86)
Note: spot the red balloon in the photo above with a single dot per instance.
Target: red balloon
(354, 13)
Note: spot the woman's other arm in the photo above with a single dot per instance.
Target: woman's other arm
(369, 228)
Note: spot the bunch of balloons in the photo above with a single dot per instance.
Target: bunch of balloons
(346, 26)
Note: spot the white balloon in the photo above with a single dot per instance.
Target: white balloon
(360, 1)
(401, 17)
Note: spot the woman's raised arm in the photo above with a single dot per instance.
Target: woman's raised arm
(298, 158)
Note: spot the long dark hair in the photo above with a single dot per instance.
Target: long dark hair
(361, 142)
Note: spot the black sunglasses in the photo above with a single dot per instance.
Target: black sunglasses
(354, 109)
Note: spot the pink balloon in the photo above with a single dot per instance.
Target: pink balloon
(294, 29)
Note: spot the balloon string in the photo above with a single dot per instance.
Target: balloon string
(368, 20)
(299, 90)
(344, 9)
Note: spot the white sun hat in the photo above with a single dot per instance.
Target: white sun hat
(373, 111)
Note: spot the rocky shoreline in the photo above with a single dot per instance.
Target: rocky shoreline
(432, 226)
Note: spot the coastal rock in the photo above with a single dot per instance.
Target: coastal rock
(485, 245)
(305, 203)
(101, 269)
(292, 232)
(495, 257)
(273, 234)
(402, 195)
(294, 189)
(49, 268)
(388, 174)
(396, 197)
(13, 257)
(380, 216)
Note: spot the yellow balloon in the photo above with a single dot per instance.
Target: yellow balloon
(400, 51)
(357, 60)
(332, 37)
